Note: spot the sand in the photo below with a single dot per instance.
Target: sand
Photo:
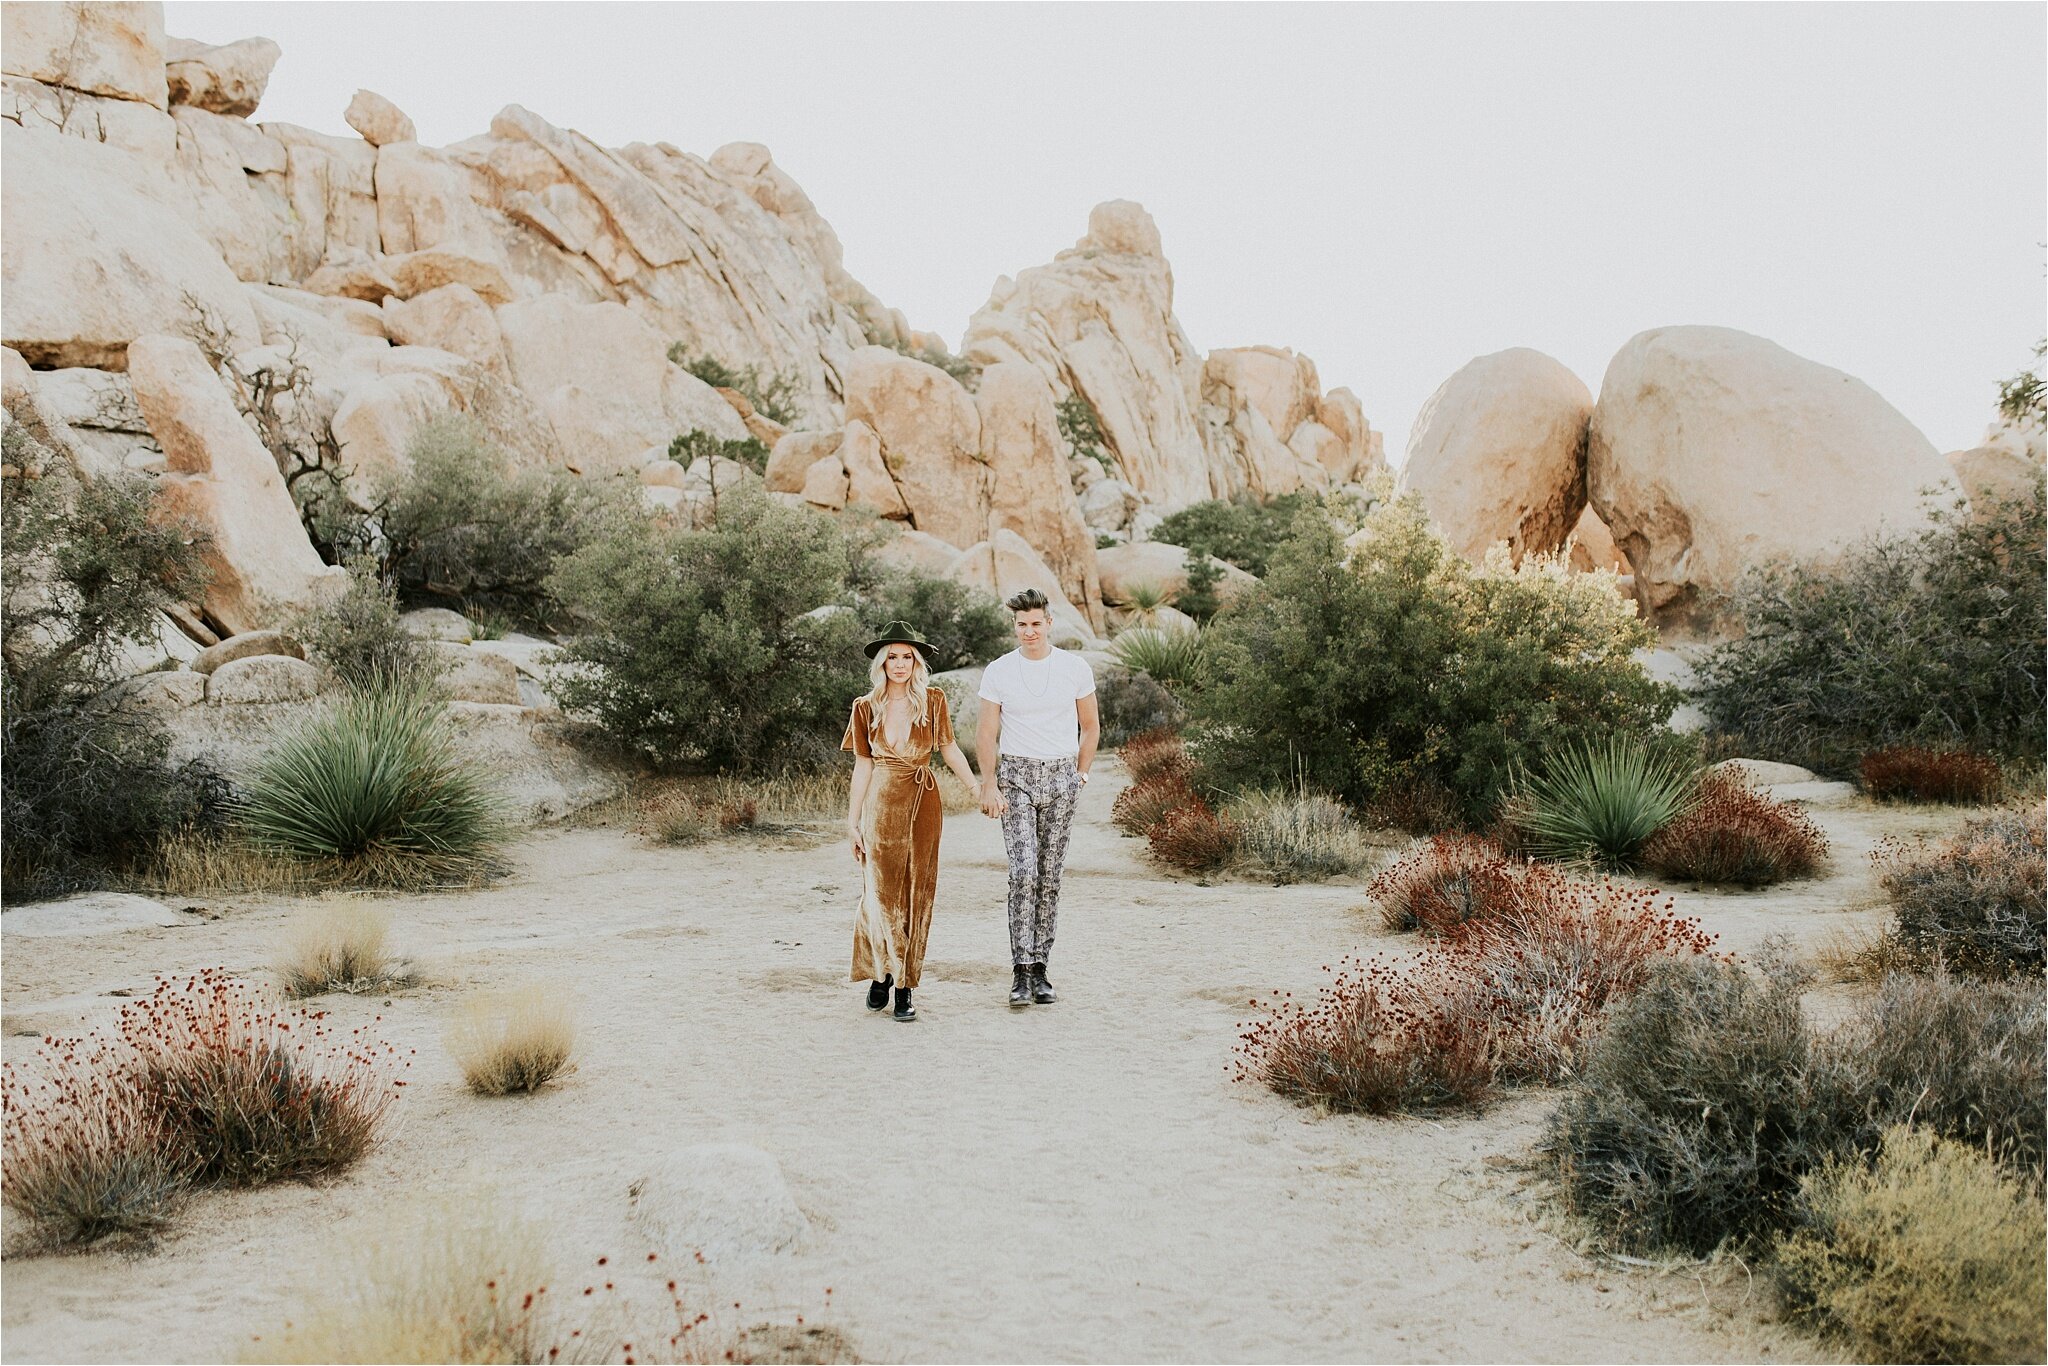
(1079, 1182)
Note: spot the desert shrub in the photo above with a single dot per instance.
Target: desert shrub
(1957, 1056)
(1144, 598)
(1977, 900)
(85, 568)
(1361, 671)
(460, 520)
(775, 394)
(374, 781)
(340, 946)
(1450, 880)
(1171, 657)
(87, 1157)
(697, 443)
(1692, 1122)
(1929, 1254)
(701, 648)
(1242, 531)
(1297, 837)
(1154, 753)
(358, 636)
(1922, 774)
(1193, 837)
(1420, 805)
(1600, 803)
(1081, 429)
(1734, 833)
(512, 1041)
(1198, 596)
(1934, 638)
(1130, 704)
(965, 625)
(1141, 807)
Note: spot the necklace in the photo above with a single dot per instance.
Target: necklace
(1045, 672)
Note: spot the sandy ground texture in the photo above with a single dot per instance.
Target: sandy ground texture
(1079, 1182)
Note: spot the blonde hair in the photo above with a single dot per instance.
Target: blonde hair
(920, 683)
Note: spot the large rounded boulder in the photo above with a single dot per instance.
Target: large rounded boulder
(1712, 450)
(1498, 453)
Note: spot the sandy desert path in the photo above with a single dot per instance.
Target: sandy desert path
(1079, 1182)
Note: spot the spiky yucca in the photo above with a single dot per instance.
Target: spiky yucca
(1171, 656)
(1599, 803)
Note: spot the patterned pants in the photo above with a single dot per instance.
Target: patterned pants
(1042, 794)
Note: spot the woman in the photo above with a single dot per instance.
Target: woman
(892, 734)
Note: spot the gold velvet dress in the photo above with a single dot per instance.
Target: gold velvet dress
(900, 829)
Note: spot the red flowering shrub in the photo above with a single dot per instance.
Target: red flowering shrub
(1917, 773)
(740, 813)
(1194, 837)
(1734, 833)
(1452, 879)
(1507, 998)
(1156, 753)
(1143, 805)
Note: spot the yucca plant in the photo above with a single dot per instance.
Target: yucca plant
(1173, 657)
(1144, 599)
(1599, 803)
(374, 780)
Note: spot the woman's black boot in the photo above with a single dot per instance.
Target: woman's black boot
(878, 992)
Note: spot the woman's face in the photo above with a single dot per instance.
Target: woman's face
(897, 661)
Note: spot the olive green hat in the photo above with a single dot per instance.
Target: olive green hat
(900, 633)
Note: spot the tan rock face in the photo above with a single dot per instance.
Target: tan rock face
(1161, 566)
(100, 48)
(453, 318)
(792, 457)
(1254, 400)
(868, 481)
(263, 567)
(1030, 492)
(1593, 545)
(431, 268)
(245, 646)
(227, 79)
(1711, 450)
(1498, 453)
(919, 552)
(143, 129)
(930, 435)
(259, 679)
(475, 676)
(378, 119)
(91, 263)
(375, 423)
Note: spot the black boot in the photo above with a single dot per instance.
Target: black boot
(1020, 985)
(1041, 990)
(878, 992)
(905, 1012)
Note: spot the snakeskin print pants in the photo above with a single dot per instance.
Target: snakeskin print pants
(1042, 794)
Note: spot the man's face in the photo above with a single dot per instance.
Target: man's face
(1031, 628)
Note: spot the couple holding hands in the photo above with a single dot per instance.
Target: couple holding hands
(1036, 739)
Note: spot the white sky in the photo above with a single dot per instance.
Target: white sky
(1392, 189)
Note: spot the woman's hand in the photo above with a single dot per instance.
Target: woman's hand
(860, 850)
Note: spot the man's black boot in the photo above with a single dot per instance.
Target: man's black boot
(878, 992)
(1020, 986)
(1041, 990)
(905, 1012)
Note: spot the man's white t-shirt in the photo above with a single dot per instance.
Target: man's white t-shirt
(1037, 697)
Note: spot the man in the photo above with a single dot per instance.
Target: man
(1035, 740)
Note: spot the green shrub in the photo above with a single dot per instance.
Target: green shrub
(1170, 656)
(357, 634)
(1197, 596)
(1241, 531)
(700, 647)
(1600, 803)
(1130, 704)
(1081, 429)
(2024, 397)
(748, 451)
(1297, 837)
(964, 624)
(374, 781)
(1934, 638)
(1930, 1254)
(775, 394)
(460, 522)
(1978, 900)
(1366, 673)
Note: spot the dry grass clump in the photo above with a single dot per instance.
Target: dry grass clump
(198, 863)
(1495, 1001)
(513, 1040)
(1155, 753)
(1195, 838)
(1143, 805)
(1929, 1254)
(202, 1081)
(341, 946)
(1977, 901)
(1916, 773)
(1733, 833)
(1452, 879)
(1297, 837)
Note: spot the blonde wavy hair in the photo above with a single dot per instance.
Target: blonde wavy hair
(920, 684)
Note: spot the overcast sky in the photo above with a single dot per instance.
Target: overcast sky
(1392, 189)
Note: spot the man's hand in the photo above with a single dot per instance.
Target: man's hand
(993, 802)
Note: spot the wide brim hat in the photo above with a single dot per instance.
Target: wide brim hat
(900, 633)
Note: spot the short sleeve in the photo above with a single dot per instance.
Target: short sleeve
(857, 731)
(1085, 683)
(942, 719)
(991, 689)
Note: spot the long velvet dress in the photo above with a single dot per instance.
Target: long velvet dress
(900, 828)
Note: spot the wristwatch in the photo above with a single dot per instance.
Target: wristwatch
(1084, 777)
